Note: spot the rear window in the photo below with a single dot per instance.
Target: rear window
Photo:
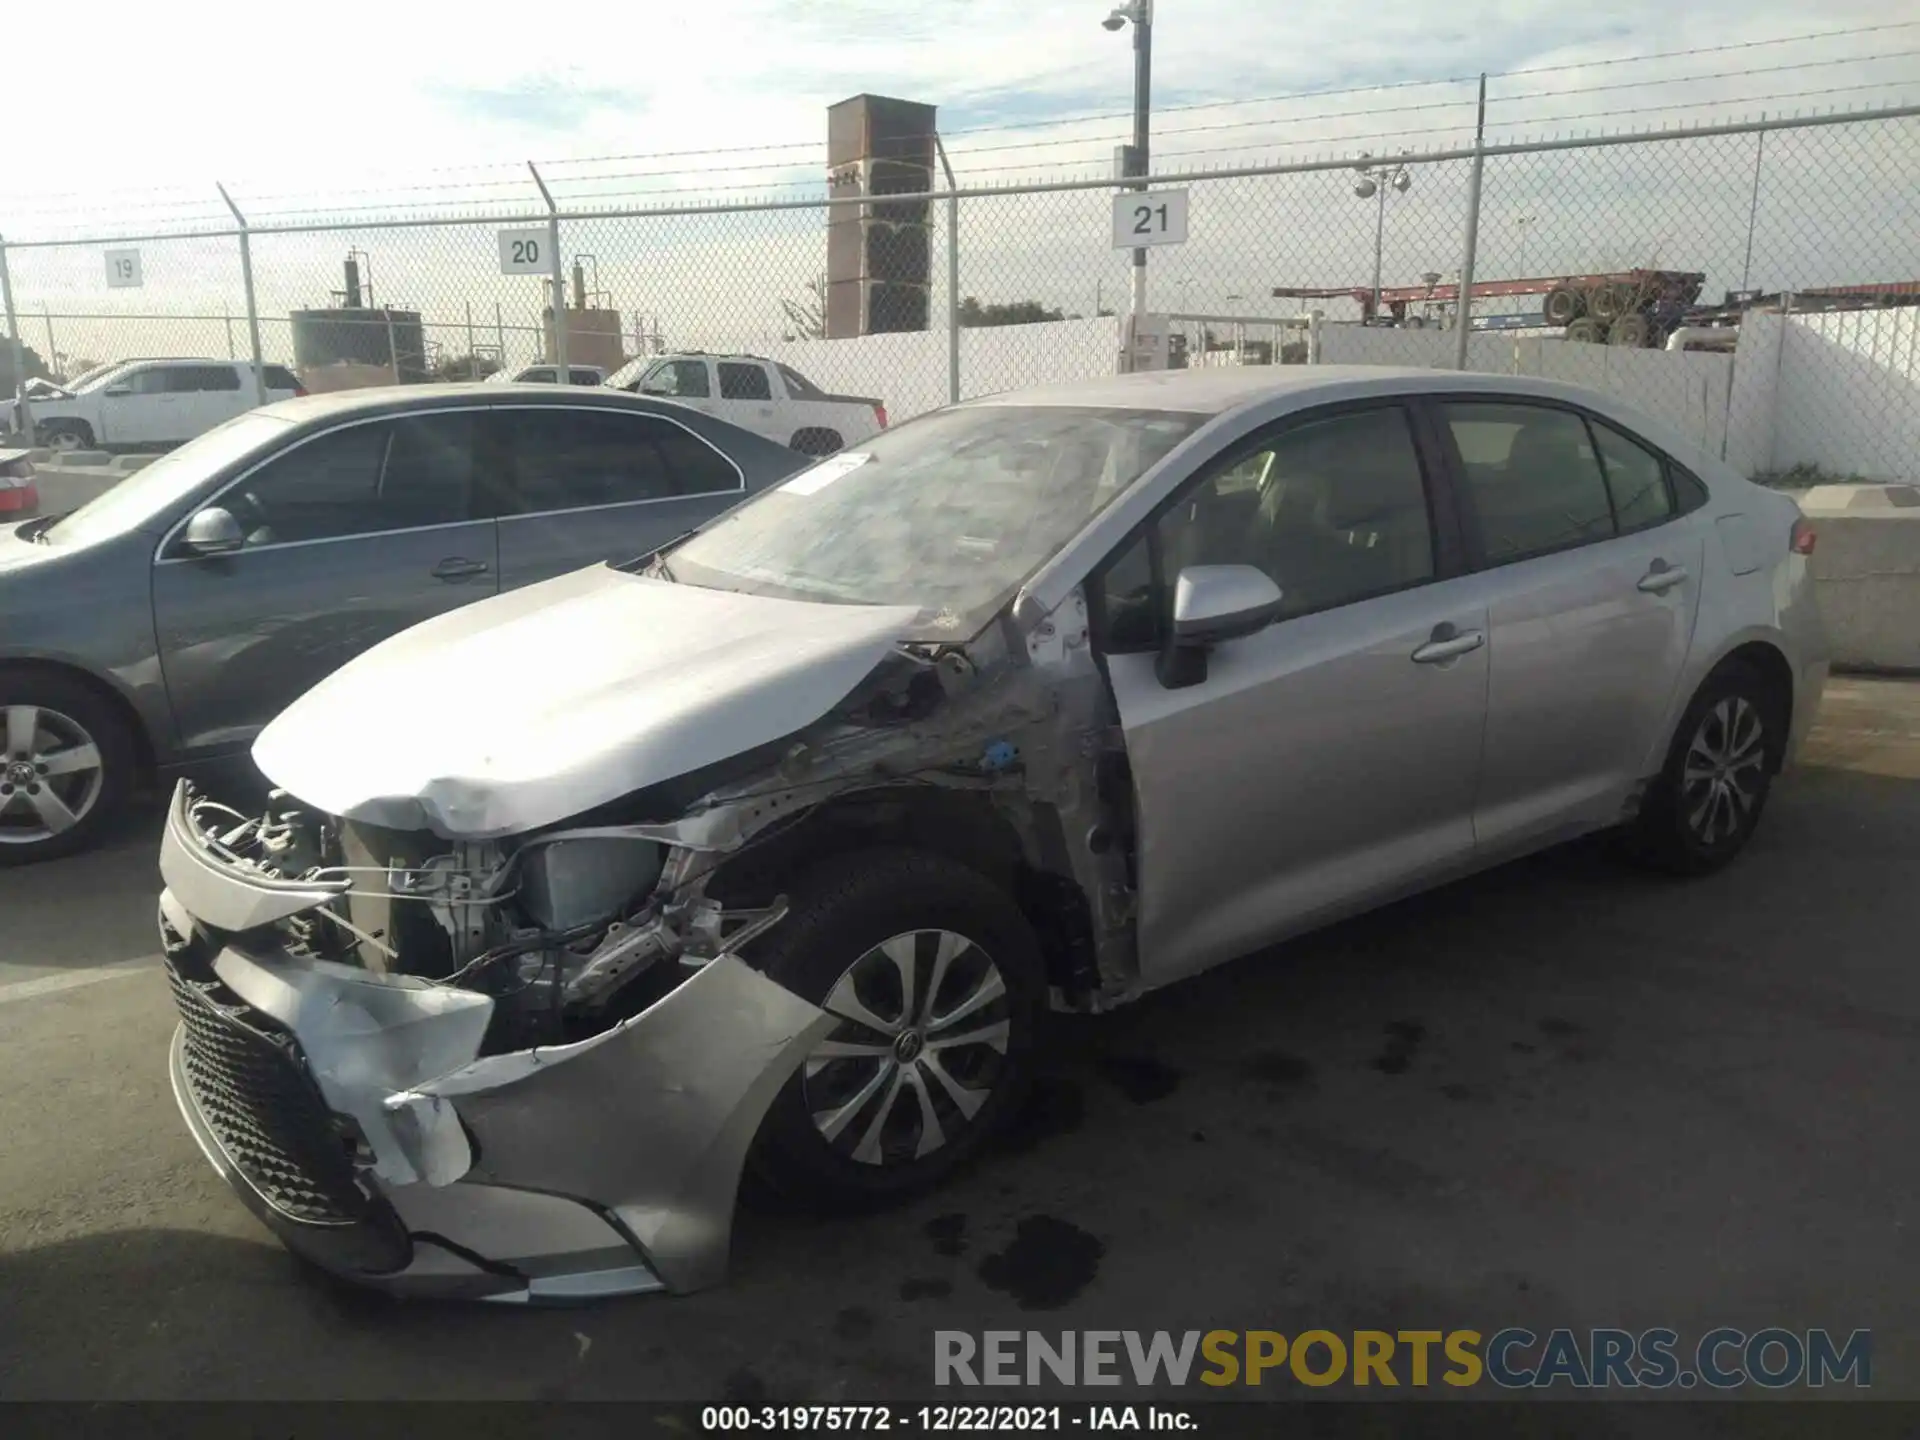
(799, 387)
(281, 378)
(194, 379)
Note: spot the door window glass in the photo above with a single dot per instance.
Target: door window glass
(144, 382)
(1533, 476)
(192, 379)
(696, 467)
(360, 480)
(682, 379)
(568, 459)
(744, 382)
(1636, 480)
(1333, 510)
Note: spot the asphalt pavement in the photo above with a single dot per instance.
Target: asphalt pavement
(1558, 1094)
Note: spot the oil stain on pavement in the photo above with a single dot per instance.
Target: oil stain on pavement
(1049, 1262)
(1140, 1078)
(1403, 1039)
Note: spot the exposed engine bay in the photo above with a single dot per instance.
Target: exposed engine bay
(575, 927)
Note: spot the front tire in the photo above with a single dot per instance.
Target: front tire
(66, 766)
(66, 436)
(1707, 801)
(938, 983)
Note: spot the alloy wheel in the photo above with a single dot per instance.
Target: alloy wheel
(51, 774)
(1724, 770)
(925, 1021)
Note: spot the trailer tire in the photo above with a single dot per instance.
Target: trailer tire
(1563, 305)
(1632, 331)
(1588, 330)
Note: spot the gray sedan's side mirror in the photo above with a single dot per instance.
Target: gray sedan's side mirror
(1212, 603)
(213, 531)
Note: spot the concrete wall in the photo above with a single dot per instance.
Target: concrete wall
(1687, 390)
(1848, 399)
(1866, 573)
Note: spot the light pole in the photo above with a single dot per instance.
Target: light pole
(1140, 13)
(1524, 223)
(1374, 182)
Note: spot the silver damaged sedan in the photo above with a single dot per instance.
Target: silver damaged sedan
(763, 858)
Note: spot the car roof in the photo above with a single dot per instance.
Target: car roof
(385, 399)
(1220, 390)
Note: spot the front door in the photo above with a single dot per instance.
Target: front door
(587, 485)
(140, 408)
(690, 382)
(1329, 760)
(352, 536)
(1592, 586)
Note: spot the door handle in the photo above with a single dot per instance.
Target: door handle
(1448, 644)
(1662, 577)
(457, 569)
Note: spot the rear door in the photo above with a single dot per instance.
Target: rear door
(1593, 583)
(205, 396)
(353, 535)
(747, 400)
(585, 485)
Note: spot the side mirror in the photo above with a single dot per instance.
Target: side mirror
(213, 531)
(1212, 603)
(118, 390)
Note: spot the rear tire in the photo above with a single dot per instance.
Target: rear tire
(931, 952)
(1707, 801)
(66, 765)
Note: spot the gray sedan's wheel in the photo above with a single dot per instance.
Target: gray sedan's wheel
(922, 1039)
(65, 763)
(1708, 799)
(935, 980)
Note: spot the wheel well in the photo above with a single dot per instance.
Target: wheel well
(1771, 666)
(963, 827)
(143, 754)
(816, 440)
(66, 422)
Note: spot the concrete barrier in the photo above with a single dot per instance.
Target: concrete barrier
(1866, 573)
(63, 489)
(66, 459)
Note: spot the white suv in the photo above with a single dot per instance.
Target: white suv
(153, 402)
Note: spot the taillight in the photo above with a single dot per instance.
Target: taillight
(880, 414)
(18, 495)
(1802, 537)
(298, 388)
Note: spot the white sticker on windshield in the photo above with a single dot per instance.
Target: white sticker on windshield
(825, 473)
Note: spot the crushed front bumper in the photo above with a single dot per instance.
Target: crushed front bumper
(352, 1112)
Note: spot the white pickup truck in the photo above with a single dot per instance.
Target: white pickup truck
(756, 394)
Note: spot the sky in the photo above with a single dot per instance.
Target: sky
(410, 110)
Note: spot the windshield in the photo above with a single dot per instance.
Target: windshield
(157, 488)
(94, 378)
(629, 372)
(948, 513)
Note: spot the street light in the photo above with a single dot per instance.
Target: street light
(1523, 223)
(1140, 13)
(1375, 181)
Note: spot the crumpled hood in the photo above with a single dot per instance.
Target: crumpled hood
(532, 706)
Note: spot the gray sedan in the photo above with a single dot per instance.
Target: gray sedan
(165, 623)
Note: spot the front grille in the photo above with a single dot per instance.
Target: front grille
(251, 1086)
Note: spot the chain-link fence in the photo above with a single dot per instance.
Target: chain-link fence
(1795, 238)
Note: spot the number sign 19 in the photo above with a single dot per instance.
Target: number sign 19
(123, 269)
(525, 252)
(1149, 217)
